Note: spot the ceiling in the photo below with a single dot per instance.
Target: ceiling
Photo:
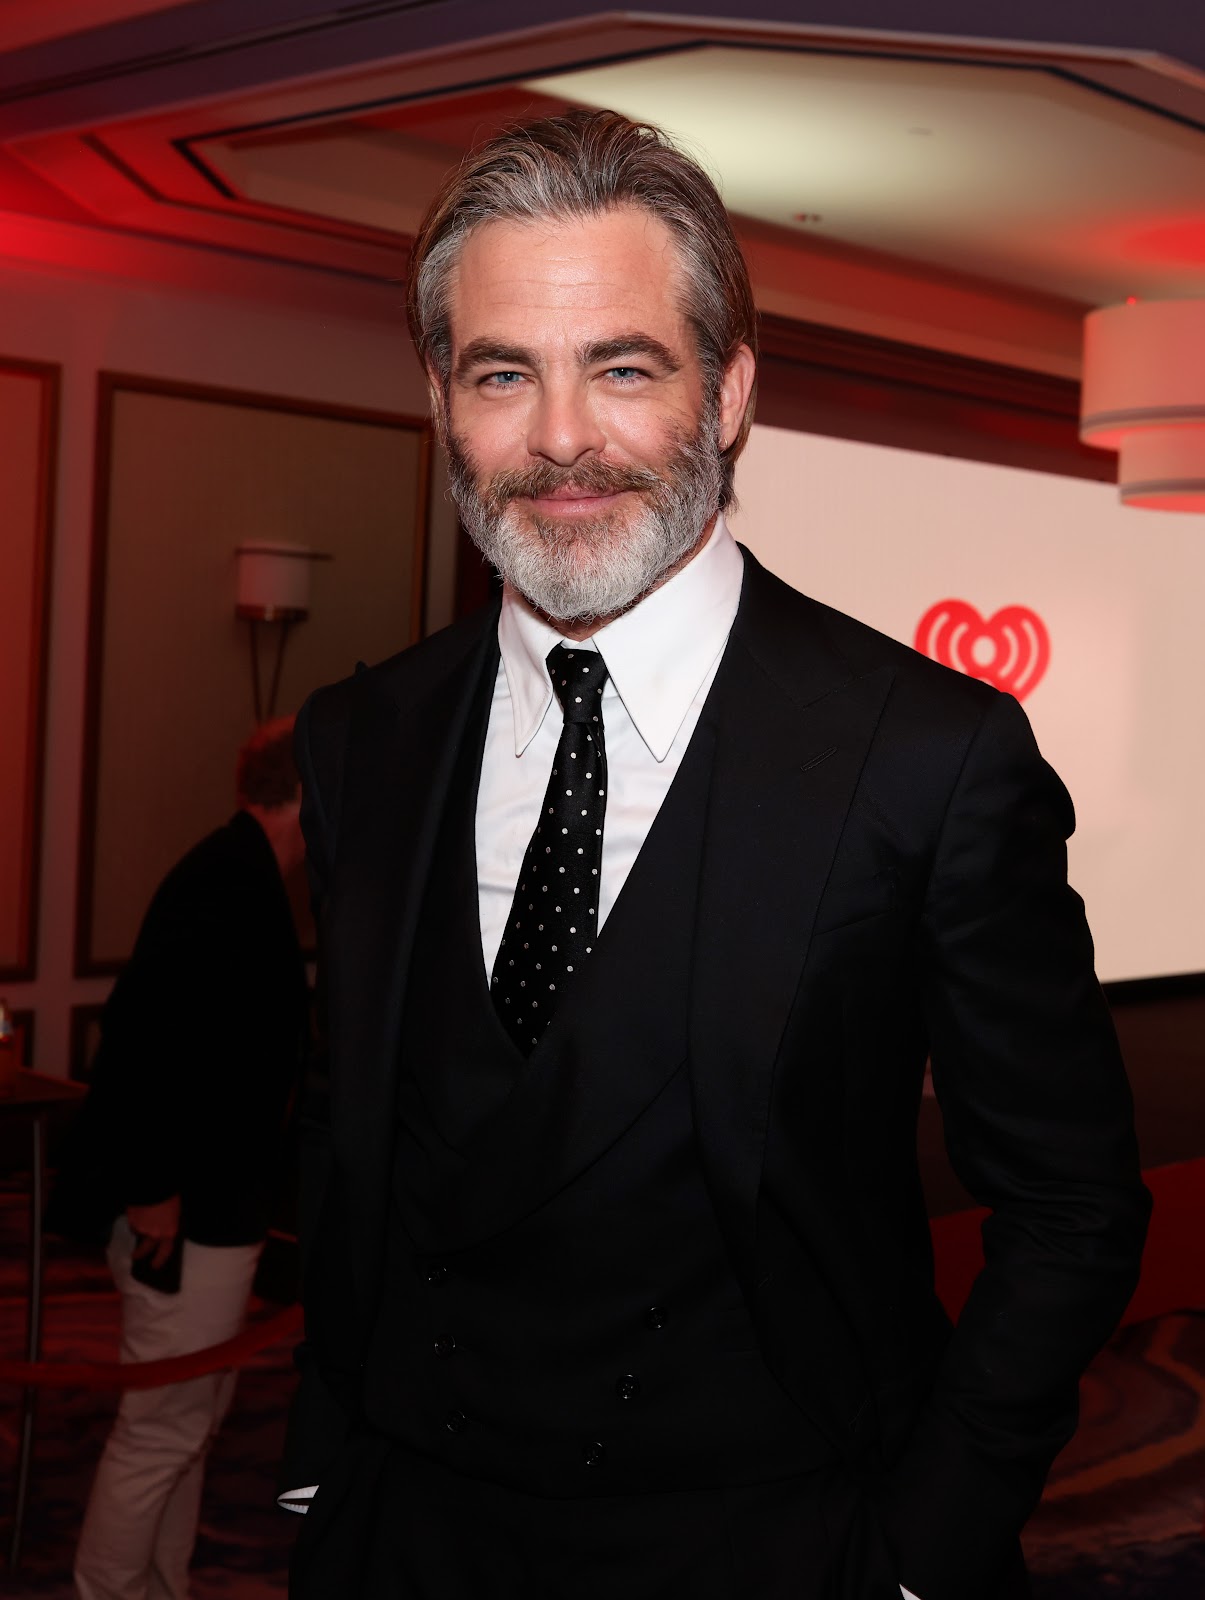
(23, 24)
(1012, 173)
(973, 182)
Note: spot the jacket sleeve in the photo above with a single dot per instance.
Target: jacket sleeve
(1039, 1127)
(326, 1400)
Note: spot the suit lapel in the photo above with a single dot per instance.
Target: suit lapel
(399, 762)
(793, 722)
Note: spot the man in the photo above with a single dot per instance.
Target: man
(644, 897)
(201, 1042)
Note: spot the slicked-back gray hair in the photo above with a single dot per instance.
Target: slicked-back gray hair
(581, 165)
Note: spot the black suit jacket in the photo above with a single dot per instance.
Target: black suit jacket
(201, 1044)
(883, 879)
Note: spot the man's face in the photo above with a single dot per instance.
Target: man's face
(584, 446)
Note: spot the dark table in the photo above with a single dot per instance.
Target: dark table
(34, 1096)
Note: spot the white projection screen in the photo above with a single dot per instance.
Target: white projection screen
(1119, 709)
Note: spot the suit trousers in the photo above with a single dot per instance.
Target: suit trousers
(388, 1524)
(141, 1523)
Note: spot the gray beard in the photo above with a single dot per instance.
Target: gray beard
(600, 567)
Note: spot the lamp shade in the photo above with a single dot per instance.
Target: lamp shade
(274, 580)
(1144, 396)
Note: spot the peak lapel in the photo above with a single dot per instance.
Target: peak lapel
(399, 761)
(793, 723)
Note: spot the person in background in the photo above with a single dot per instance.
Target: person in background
(175, 1155)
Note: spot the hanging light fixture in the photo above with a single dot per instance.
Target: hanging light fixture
(1144, 396)
(273, 591)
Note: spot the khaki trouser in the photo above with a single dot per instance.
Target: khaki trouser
(141, 1523)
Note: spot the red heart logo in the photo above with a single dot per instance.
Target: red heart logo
(1011, 650)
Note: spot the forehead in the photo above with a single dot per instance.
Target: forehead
(558, 280)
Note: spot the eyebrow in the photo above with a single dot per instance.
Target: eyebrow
(489, 352)
(603, 351)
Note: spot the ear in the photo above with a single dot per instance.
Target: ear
(735, 390)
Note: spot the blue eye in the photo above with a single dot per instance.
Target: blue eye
(502, 380)
(625, 374)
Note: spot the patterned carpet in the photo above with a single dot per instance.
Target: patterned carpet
(1121, 1519)
(1123, 1511)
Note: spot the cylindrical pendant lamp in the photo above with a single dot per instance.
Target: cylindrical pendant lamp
(1144, 396)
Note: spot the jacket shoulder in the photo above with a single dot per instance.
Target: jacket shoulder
(201, 873)
(932, 718)
(323, 723)
(407, 674)
(935, 693)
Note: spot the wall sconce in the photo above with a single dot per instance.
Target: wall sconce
(1144, 396)
(273, 592)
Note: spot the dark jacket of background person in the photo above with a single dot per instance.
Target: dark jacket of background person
(202, 1039)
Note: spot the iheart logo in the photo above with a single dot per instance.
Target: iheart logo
(1011, 650)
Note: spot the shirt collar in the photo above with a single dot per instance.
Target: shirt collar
(658, 654)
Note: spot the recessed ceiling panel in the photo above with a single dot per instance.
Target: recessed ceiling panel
(377, 169)
(1016, 174)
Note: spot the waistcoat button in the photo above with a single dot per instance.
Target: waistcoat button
(593, 1453)
(444, 1345)
(654, 1318)
(436, 1275)
(455, 1421)
(628, 1387)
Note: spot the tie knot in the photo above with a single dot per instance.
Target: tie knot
(577, 677)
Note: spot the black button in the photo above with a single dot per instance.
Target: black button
(436, 1275)
(455, 1421)
(654, 1318)
(628, 1387)
(593, 1453)
(444, 1345)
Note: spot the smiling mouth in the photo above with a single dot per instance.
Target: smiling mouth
(571, 503)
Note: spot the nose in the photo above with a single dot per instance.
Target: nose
(563, 427)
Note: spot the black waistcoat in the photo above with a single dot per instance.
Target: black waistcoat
(559, 1311)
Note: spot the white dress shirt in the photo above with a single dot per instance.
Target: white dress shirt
(661, 658)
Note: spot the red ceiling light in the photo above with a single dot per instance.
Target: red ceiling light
(1144, 396)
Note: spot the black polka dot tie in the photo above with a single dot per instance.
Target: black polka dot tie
(553, 922)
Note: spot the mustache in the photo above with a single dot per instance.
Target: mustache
(588, 477)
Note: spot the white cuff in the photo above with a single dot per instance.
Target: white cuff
(297, 1500)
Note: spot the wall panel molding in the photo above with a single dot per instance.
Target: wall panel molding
(84, 1036)
(29, 401)
(819, 379)
(184, 473)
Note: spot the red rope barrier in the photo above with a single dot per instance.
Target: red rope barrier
(153, 1374)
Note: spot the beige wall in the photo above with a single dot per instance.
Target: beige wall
(189, 480)
(93, 303)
